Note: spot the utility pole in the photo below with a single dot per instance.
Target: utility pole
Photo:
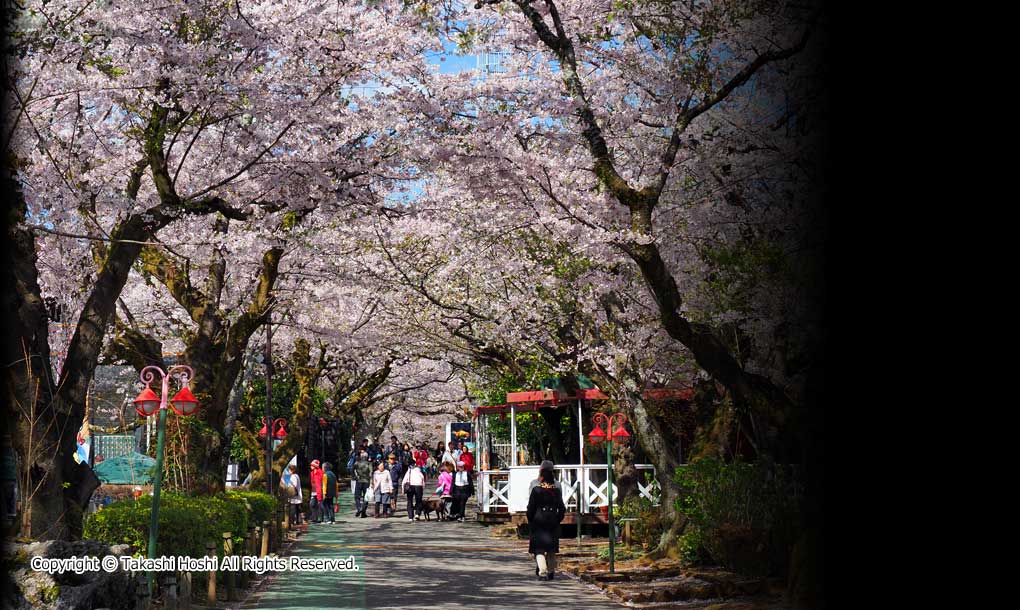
(269, 404)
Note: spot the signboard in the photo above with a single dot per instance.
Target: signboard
(459, 430)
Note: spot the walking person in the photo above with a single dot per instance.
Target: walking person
(545, 512)
(413, 485)
(421, 456)
(546, 465)
(431, 466)
(382, 487)
(445, 488)
(396, 470)
(362, 480)
(469, 461)
(314, 501)
(449, 459)
(462, 488)
(374, 449)
(394, 447)
(328, 492)
(293, 492)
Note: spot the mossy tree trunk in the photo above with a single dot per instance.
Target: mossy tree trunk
(307, 373)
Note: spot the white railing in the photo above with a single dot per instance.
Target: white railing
(493, 491)
(507, 490)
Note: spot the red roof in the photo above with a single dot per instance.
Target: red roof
(534, 400)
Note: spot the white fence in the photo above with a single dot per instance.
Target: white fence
(500, 491)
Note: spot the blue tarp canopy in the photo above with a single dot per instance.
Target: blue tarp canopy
(130, 469)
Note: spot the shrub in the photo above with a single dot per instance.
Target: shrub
(649, 527)
(740, 515)
(691, 546)
(263, 505)
(186, 523)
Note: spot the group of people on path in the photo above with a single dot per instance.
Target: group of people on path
(407, 470)
(380, 474)
(400, 469)
(323, 489)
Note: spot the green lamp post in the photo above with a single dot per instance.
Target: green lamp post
(147, 403)
(620, 435)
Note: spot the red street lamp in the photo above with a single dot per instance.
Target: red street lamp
(599, 435)
(279, 423)
(147, 403)
(184, 403)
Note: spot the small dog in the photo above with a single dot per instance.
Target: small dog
(435, 505)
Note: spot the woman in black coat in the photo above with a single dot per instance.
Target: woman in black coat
(545, 512)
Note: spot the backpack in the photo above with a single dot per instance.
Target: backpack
(350, 462)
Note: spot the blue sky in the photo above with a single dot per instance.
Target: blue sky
(449, 63)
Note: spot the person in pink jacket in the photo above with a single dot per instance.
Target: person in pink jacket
(445, 488)
(315, 501)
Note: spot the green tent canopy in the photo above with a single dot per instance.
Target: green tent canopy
(130, 469)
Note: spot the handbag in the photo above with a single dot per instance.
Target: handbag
(407, 487)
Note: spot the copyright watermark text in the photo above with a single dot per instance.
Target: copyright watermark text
(230, 563)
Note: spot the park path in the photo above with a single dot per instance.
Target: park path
(419, 564)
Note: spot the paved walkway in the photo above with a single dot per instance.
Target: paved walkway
(419, 564)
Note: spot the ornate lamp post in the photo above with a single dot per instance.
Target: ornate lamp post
(147, 403)
(279, 428)
(620, 435)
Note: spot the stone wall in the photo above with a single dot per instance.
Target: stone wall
(25, 588)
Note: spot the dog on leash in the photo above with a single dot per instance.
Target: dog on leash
(434, 505)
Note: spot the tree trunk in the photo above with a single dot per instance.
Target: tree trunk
(306, 374)
(657, 440)
(43, 426)
(752, 393)
(216, 350)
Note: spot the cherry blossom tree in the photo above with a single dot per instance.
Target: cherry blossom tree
(657, 135)
(127, 120)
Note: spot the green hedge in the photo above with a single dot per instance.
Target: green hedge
(263, 505)
(186, 523)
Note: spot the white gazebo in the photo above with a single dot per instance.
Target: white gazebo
(503, 493)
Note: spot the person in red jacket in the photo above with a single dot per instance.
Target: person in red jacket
(469, 461)
(421, 457)
(315, 502)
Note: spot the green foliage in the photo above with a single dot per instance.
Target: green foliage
(50, 594)
(263, 505)
(186, 523)
(740, 515)
(285, 394)
(743, 266)
(649, 526)
(691, 546)
(238, 452)
(620, 553)
(494, 392)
